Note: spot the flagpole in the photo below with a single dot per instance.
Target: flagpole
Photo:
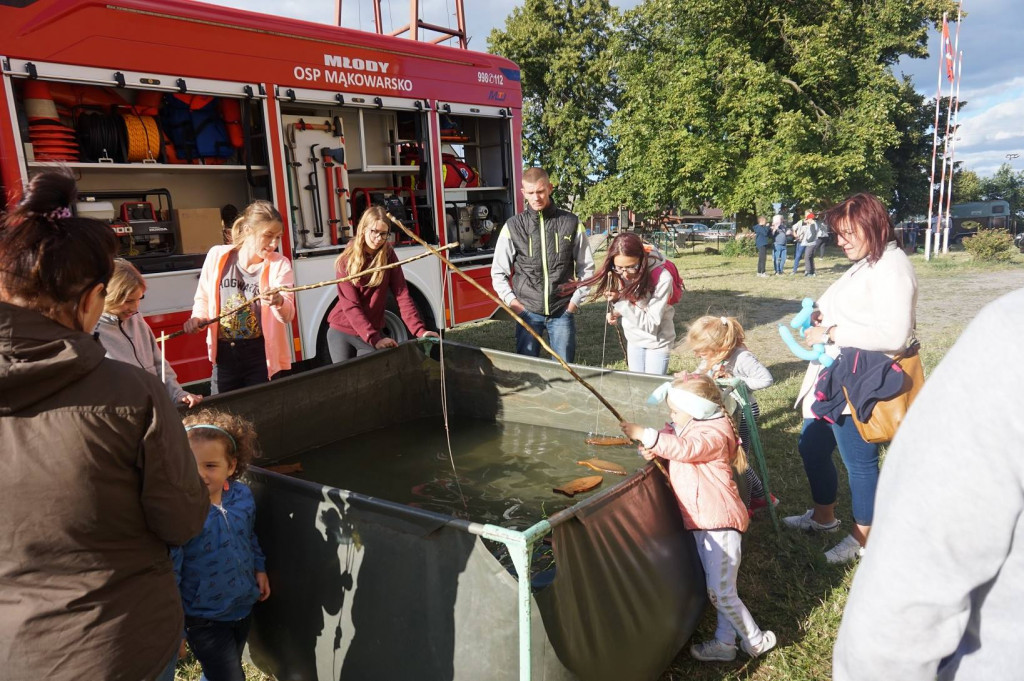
(955, 113)
(935, 146)
(952, 148)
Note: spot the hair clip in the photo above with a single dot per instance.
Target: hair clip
(59, 213)
(725, 322)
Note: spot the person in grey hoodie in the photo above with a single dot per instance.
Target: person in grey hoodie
(98, 477)
(940, 593)
(639, 288)
(127, 337)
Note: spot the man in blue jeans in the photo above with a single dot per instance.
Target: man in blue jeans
(537, 252)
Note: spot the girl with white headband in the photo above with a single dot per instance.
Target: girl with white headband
(701, 446)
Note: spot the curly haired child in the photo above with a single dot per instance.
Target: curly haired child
(701, 448)
(718, 343)
(221, 573)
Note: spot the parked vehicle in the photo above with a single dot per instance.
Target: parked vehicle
(720, 231)
(320, 120)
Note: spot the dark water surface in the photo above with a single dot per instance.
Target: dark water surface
(506, 470)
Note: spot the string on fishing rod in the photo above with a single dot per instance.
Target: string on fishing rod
(447, 428)
(519, 320)
(304, 287)
(604, 345)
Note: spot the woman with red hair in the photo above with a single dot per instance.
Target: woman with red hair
(871, 307)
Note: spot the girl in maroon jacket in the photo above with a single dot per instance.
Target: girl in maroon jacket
(358, 318)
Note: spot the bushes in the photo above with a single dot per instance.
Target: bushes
(741, 246)
(990, 245)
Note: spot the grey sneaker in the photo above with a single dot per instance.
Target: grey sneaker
(715, 651)
(845, 551)
(767, 643)
(806, 522)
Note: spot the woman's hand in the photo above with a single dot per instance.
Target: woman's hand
(195, 325)
(272, 298)
(646, 453)
(430, 334)
(263, 582)
(386, 343)
(815, 335)
(634, 431)
(190, 400)
(611, 296)
(612, 317)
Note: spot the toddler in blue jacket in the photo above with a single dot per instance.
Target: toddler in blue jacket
(221, 573)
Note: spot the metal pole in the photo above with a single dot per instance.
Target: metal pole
(952, 150)
(935, 146)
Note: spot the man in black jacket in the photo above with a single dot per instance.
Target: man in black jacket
(537, 252)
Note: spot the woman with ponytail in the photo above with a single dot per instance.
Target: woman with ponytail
(251, 345)
(98, 474)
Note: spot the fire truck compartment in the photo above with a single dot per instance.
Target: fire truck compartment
(366, 587)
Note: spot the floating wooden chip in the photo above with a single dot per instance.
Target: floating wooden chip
(603, 466)
(285, 468)
(608, 440)
(579, 485)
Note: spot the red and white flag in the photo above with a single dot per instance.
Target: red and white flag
(947, 49)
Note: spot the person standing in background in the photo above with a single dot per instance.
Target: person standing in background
(806, 234)
(763, 241)
(781, 234)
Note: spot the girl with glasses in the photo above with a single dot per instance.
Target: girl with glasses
(638, 287)
(357, 320)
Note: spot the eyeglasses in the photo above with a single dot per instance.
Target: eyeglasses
(628, 269)
(380, 234)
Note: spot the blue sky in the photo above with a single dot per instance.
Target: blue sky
(991, 124)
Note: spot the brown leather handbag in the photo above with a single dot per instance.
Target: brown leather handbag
(887, 415)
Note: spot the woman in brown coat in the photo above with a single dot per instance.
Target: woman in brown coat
(96, 474)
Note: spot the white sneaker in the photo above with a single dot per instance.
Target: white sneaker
(845, 551)
(767, 643)
(806, 522)
(715, 651)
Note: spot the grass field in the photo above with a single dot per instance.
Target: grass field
(785, 580)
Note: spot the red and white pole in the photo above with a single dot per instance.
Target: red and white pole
(935, 147)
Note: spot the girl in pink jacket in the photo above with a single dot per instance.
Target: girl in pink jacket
(250, 346)
(702, 446)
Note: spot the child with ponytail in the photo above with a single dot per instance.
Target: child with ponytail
(702, 448)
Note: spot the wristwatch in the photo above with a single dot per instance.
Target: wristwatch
(828, 335)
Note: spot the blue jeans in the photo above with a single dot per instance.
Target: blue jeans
(561, 334)
(818, 440)
(646, 361)
(218, 646)
(779, 259)
(796, 258)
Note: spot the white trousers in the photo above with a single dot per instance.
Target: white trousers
(720, 553)
(646, 361)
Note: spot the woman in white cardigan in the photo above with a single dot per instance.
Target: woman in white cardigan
(871, 307)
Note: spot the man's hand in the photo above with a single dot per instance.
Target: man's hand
(517, 307)
(572, 308)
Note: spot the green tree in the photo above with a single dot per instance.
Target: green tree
(745, 102)
(966, 186)
(569, 88)
(1006, 185)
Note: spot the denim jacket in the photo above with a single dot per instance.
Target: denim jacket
(216, 571)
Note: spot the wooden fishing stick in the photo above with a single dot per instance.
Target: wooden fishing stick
(519, 320)
(304, 287)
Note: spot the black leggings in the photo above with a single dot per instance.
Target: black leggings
(762, 255)
(240, 364)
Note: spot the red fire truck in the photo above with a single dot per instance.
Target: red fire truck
(172, 111)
